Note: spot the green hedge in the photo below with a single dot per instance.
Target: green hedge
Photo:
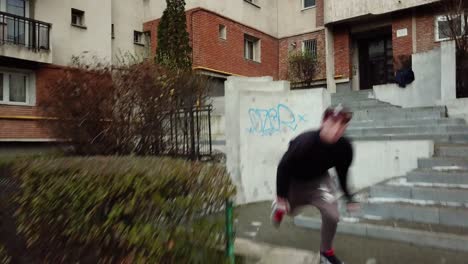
(123, 209)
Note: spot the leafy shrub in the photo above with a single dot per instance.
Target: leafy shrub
(303, 66)
(105, 110)
(123, 209)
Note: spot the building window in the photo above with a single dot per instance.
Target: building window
(443, 31)
(138, 38)
(308, 3)
(112, 32)
(310, 47)
(222, 32)
(251, 48)
(77, 17)
(15, 87)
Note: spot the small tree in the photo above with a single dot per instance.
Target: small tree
(456, 15)
(173, 50)
(302, 67)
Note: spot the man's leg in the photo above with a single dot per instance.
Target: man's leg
(327, 204)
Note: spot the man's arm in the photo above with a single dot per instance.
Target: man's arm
(282, 177)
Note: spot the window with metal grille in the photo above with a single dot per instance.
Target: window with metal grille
(310, 47)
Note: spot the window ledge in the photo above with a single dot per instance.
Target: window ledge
(253, 4)
(79, 26)
(3, 103)
(308, 8)
(254, 61)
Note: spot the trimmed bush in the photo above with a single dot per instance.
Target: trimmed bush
(123, 209)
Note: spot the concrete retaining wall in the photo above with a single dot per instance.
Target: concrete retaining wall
(376, 161)
(424, 91)
(262, 117)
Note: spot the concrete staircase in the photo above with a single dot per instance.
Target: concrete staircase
(435, 193)
(374, 120)
(429, 205)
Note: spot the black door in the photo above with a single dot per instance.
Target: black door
(375, 62)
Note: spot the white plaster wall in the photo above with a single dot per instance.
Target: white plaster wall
(67, 40)
(337, 10)
(293, 19)
(424, 91)
(127, 16)
(457, 108)
(449, 71)
(264, 18)
(376, 161)
(262, 143)
(253, 146)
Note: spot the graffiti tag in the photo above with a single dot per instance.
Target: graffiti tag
(267, 122)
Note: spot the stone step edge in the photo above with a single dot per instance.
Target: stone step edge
(411, 236)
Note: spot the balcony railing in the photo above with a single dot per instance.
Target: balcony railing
(23, 31)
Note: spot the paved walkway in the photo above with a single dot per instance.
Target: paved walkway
(253, 223)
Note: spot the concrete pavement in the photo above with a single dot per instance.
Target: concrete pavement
(253, 223)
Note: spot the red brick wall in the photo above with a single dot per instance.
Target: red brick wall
(402, 45)
(320, 13)
(225, 55)
(342, 45)
(285, 45)
(425, 31)
(11, 124)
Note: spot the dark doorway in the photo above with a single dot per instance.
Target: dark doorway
(375, 57)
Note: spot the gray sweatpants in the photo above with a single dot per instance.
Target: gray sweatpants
(320, 194)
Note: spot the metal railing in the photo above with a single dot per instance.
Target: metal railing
(18, 30)
(187, 133)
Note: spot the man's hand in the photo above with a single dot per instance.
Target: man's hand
(353, 206)
(282, 203)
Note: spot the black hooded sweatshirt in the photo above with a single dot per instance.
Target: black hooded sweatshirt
(308, 158)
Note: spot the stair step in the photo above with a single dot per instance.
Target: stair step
(458, 195)
(434, 176)
(437, 162)
(364, 103)
(404, 123)
(424, 212)
(452, 150)
(400, 113)
(447, 137)
(353, 95)
(436, 228)
(423, 130)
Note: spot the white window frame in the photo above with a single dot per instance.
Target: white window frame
(222, 32)
(444, 18)
(309, 7)
(30, 87)
(256, 48)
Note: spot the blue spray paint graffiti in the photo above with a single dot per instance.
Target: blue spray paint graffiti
(267, 122)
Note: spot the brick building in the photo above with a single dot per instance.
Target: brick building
(356, 43)
(38, 40)
(370, 36)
